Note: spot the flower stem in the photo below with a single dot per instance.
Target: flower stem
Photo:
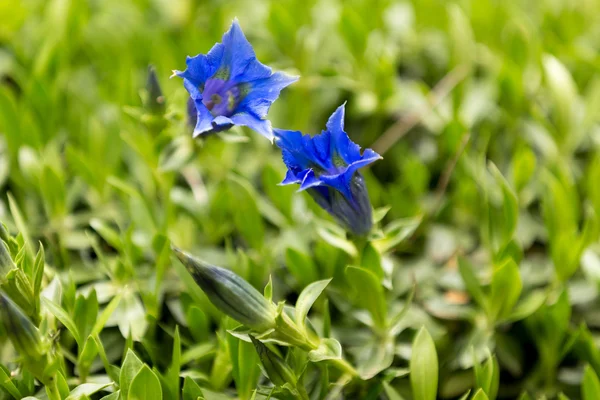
(345, 366)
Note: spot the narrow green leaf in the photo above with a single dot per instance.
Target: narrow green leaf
(424, 367)
(590, 387)
(471, 282)
(306, 300)
(64, 318)
(391, 393)
(87, 389)
(506, 289)
(8, 385)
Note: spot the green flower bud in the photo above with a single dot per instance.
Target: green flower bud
(279, 372)
(230, 293)
(155, 101)
(23, 334)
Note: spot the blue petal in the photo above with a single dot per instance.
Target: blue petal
(222, 123)
(340, 142)
(238, 52)
(263, 92)
(204, 119)
(290, 178)
(340, 182)
(202, 66)
(298, 151)
(192, 89)
(262, 126)
(309, 181)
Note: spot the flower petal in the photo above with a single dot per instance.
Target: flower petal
(203, 120)
(340, 142)
(255, 123)
(309, 181)
(290, 178)
(263, 92)
(202, 66)
(238, 52)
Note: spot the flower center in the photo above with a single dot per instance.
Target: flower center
(221, 97)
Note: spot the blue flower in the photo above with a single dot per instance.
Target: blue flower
(229, 86)
(326, 166)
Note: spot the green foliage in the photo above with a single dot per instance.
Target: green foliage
(480, 279)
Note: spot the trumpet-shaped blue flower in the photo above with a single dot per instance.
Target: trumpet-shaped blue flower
(229, 86)
(326, 165)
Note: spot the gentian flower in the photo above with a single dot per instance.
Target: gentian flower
(326, 166)
(229, 86)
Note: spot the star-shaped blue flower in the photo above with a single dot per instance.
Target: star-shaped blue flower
(327, 165)
(229, 86)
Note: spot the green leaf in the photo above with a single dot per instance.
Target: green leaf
(7, 383)
(301, 266)
(131, 315)
(471, 282)
(396, 232)
(336, 238)
(390, 392)
(306, 300)
(480, 395)
(590, 388)
(145, 386)
(506, 289)
(245, 366)
(268, 292)
(112, 396)
(374, 356)
(246, 215)
(527, 306)
(105, 315)
(175, 367)
(191, 390)
(487, 376)
(38, 271)
(64, 318)
(130, 368)
(107, 233)
(424, 367)
(368, 293)
(20, 223)
(371, 260)
(87, 389)
(329, 349)
(503, 211)
(88, 353)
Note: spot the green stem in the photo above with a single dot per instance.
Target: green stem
(52, 390)
(344, 366)
(302, 394)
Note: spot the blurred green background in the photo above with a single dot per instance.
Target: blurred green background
(487, 114)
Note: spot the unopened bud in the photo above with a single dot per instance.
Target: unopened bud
(155, 101)
(279, 372)
(230, 293)
(23, 334)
